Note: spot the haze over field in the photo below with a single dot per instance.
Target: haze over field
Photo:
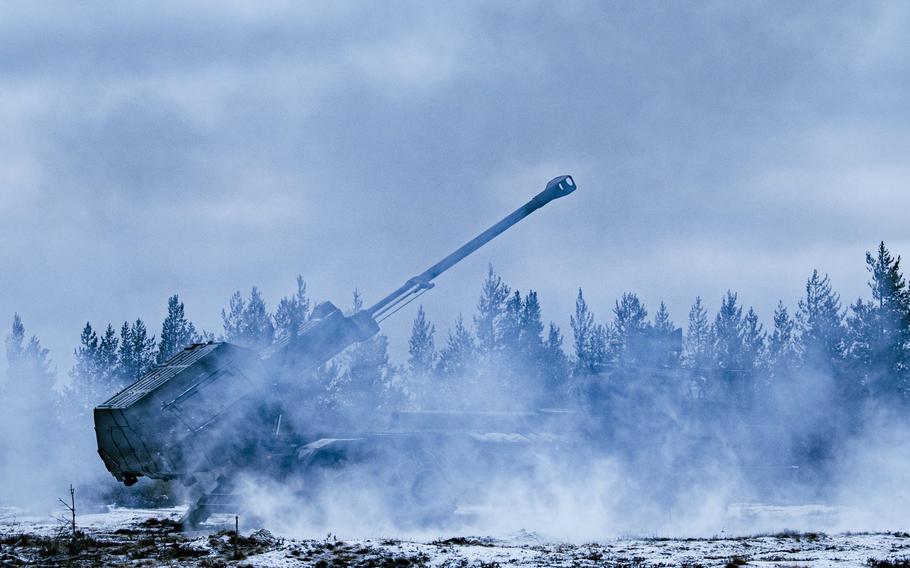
(710, 338)
(207, 148)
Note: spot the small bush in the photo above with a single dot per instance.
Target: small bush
(888, 563)
(164, 525)
(178, 551)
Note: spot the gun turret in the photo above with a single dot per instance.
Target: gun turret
(201, 408)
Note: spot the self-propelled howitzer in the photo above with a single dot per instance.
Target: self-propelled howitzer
(206, 406)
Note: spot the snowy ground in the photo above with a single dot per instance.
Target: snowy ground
(151, 537)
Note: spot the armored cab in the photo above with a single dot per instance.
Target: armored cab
(215, 407)
(171, 422)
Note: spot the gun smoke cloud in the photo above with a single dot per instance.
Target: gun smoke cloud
(638, 430)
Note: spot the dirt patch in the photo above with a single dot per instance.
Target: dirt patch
(464, 541)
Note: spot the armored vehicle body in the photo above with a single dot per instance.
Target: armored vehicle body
(215, 409)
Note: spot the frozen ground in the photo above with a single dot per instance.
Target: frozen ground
(150, 537)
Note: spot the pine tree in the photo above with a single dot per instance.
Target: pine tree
(258, 331)
(522, 346)
(698, 337)
(143, 347)
(490, 311)
(233, 318)
(367, 369)
(458, 355)
(879, 330)
(137, 351)
(599, 348)
(889, 288)
(126, 357)
(109, 374)
(86, 354)
(531, 328)
(176, 331)
(555, 362)
(782, 352)
(665, 344)
(628, 332)
(583, 332)
(510, 329)
(29, 421)
(248, 323)
(365, 382)
(15, 345)
(421, 347)
(820, 325)
(753, 341)
(292, 312)
(861, 341)
(662, 322)
(29, 372)
(727, 337)
(85, 385)
(28, 360)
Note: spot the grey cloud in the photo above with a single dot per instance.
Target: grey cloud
(205, 148)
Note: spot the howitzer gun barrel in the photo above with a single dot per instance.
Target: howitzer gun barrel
(556, 188)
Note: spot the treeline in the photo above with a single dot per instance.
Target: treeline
(862, 349)
(507, 355)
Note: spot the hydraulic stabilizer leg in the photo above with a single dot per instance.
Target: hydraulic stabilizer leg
(220, 499)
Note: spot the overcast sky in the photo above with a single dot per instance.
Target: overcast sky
(147, 150)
